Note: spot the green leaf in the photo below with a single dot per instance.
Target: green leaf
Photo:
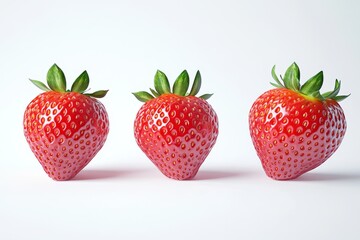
(292, 77)
(206, 96)
(341, 97)
(81, 83)
(278, 84)
(40, 85)
(181, 84)
(97, 94)
(333, 93)
(143, 96)
(317, 95)
(312, 86)
(161, 83)
(56, 79)
(196, 85)
(155, 93)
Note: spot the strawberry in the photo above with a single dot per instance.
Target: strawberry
(293, 127)
(65, 129)
(175, 129)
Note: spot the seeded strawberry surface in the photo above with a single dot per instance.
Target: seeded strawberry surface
(176, 133)
(175, 129)
(293, 127)
(293, 135)
(65, 129)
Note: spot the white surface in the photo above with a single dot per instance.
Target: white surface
(121, 44)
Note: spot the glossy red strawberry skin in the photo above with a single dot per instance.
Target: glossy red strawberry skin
(65, 131)
(176, 133)
(294, 134)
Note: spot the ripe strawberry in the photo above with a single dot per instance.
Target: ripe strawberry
(176, 130)
(65, 129)
(294, 128)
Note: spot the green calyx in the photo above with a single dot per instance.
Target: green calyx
(56, 81)
(180, 87)
(310, 88)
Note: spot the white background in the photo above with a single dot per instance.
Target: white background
(120, 194)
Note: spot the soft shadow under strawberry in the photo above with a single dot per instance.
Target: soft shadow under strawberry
(309, 177)
(98, 174)
(219, 174)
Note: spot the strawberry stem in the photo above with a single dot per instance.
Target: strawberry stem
(180, 87)
(56, 82)
(310, 88)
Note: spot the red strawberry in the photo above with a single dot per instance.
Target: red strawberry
(294, 128)
(176, 130)
(65, 129)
